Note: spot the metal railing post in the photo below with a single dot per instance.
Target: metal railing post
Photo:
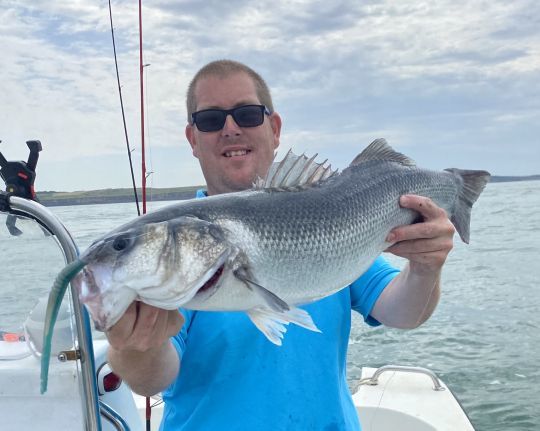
(90, 407)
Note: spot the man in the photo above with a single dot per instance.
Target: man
(217, 371)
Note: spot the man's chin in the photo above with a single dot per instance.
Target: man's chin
(238, 183)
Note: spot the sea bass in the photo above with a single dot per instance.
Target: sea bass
(301, 234)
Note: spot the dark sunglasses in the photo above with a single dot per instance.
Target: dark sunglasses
(212, 120)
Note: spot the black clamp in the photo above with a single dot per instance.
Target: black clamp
(19, 177)
(4, 202)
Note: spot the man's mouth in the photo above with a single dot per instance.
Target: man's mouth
(236, 153)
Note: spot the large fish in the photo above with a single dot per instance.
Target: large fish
(301, 234)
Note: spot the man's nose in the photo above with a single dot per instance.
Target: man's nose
(230, 127)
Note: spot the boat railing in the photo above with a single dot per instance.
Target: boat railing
(92, 407)
(374, 379)
(113, 417)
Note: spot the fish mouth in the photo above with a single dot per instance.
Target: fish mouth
(89, 295)
(86, 284)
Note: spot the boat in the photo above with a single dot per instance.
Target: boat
(85, 394)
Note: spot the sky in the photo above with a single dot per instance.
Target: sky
(450, 83)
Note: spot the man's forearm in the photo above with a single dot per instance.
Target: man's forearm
(409, 299)
(149, 372)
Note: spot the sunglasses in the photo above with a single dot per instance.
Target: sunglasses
(212, 120)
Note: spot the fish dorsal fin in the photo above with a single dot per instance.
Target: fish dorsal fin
(380, 150)
(295, 172)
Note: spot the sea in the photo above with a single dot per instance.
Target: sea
(483, 339)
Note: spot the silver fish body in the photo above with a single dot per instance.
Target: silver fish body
(294, 239)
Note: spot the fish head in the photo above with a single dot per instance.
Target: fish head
(163, 264)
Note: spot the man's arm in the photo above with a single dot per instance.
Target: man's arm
(140, 348)
(411, 297)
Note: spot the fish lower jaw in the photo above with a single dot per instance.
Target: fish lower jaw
(169, 296)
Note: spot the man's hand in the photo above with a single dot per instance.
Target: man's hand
(411, 297)
(140, 348)
(427, 244)
(144, 327)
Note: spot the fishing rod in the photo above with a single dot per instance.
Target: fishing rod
(141, 77)
(143, 152)
(124, 119)
(143, 164)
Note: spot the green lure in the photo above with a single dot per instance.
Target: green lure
(56, 296)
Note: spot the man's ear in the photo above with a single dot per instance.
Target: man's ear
(190, 135)
(275, 123)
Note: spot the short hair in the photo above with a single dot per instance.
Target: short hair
(223, 69)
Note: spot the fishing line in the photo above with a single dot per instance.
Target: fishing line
(56, 295)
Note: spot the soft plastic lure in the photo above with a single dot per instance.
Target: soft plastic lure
(56, 296)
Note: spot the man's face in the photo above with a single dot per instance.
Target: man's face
(233, 157)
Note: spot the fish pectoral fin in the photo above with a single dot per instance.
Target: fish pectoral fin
(273, 301)
(272, 317)
(272, 323)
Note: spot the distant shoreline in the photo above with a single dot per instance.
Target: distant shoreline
(507, 179)
(113, 196)
(110, 196)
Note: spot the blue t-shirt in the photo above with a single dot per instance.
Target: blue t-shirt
(232, 378)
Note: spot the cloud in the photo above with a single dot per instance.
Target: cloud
(432, 77)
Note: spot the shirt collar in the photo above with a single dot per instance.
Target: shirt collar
(201, 193)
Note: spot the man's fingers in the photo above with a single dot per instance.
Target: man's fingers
(146, 320)
(122, 329)
(427, 262)
(443, 228)
(431, 245)
(143, 327)
(175, 321)
(425, 206)
(150, 329)
(425, 244)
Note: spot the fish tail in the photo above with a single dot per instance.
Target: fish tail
(473, 183)
(56, 295)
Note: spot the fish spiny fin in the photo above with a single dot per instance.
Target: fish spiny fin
(473, 183)
(380, 150)
(273, 324)
(295, 172)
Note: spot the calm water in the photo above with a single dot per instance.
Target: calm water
(483, 340)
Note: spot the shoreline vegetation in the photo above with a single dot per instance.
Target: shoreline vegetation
(113, 196)
(109, 196)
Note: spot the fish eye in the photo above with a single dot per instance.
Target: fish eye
(120, 243)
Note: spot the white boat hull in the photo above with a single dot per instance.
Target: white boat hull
(407, 401)
(401, 400)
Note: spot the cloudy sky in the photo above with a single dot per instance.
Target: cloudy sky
(451, 83)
